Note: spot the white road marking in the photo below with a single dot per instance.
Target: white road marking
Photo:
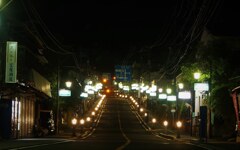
(39, 145)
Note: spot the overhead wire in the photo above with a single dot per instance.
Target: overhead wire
(45, 28)
(36, 33)
(55, 41)
(197, 24)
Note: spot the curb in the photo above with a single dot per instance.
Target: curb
(167, 136)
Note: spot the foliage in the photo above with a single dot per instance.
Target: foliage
(216, 60)
(222, 108)
(220, 100)
(188, 71)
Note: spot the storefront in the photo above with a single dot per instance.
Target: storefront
(20, 108)
(24, 93)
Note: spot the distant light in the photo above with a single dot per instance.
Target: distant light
(165, 123)
(84, 94)
(68, 84)
(74, 121)
(104, 80)
(184, 95)
(64, 92)
(201, 87)
(154, 120)
(153, 94)
(179, 124)
(197, 75)
(126, 88)
(171, 98)
(90, 92)
(108, 90)
(153, 88)
(169, 91)
(162, 96)
(160, 90)
(82, 121)
(88, 119)
(180, 85)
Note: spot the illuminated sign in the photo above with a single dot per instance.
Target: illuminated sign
(162, 96)
(184, 95)
(171, 98)
(64, 92)
(83, 94)
(153, 94)
(201, 86)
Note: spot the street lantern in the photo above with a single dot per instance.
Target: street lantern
(145, 114)
(197, 75)
(88, 119)
(165, 123)
(74, 123)
(179, 125)
(154, 120)
(169, 91)
(82, 121)
(68, 84)
(180, 86)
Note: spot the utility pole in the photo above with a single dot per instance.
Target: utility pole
(58, 82)
(176, 91)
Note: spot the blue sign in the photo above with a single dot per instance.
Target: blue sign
(123, 73)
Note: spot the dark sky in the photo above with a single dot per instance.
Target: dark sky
(106, 33)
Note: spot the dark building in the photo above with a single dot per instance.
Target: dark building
(25, 94)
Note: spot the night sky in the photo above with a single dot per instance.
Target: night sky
(109, 33)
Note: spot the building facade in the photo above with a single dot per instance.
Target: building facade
(25, 95)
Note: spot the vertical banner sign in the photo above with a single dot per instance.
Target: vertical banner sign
(11, 62)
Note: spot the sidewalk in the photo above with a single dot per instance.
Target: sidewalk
(63, 136)
(171, 134)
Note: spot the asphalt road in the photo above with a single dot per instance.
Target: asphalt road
(118, 128)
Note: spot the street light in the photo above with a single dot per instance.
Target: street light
(169, 91)
(88, 119)
(74, 123)
(82, 121)
(197, 75)
(68, 84)
(165, 123)
(154, 120)
(180, 86)
(179, 125)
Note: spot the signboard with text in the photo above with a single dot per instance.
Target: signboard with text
(123, 73)
(11, 62)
